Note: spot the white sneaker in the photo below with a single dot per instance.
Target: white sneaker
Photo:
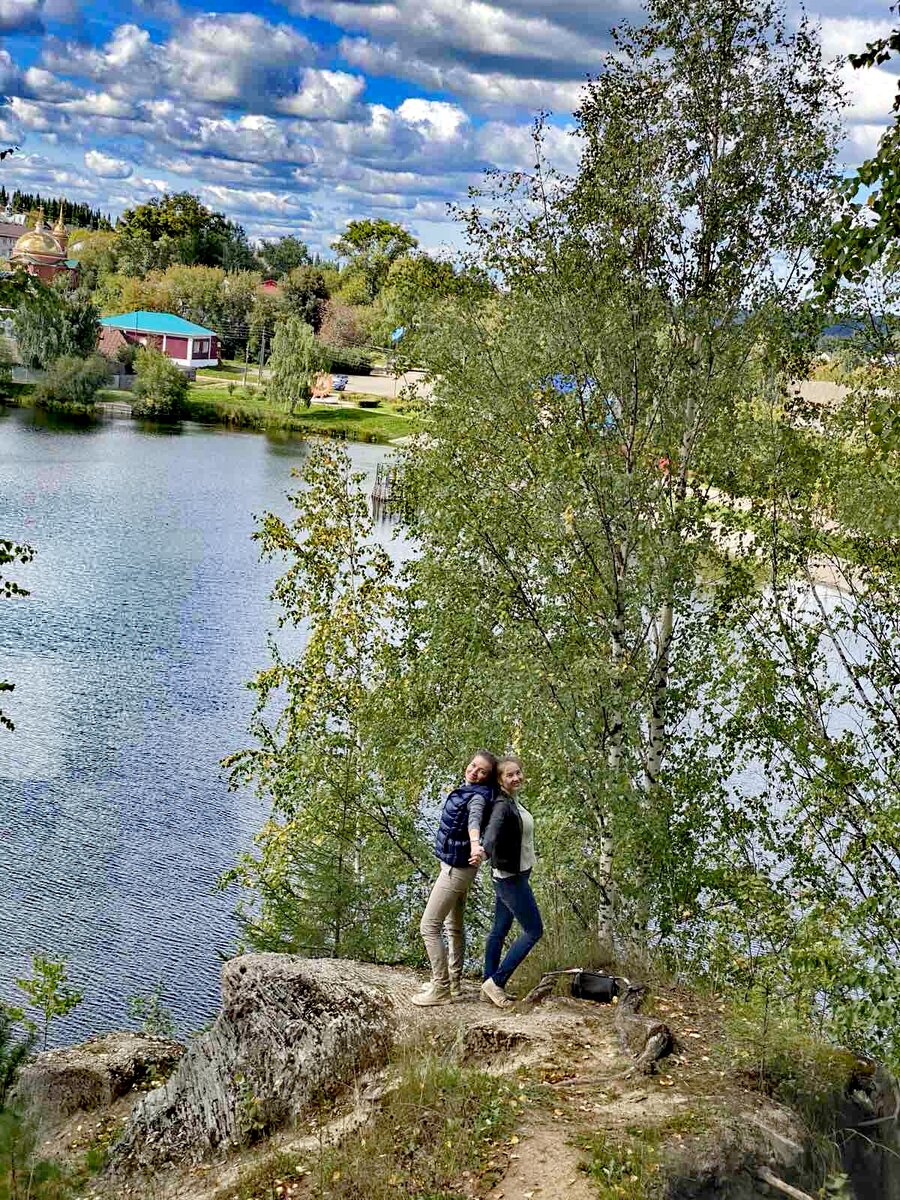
(493, 992)
(435, 993)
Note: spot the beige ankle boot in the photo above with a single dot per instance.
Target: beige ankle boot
(437, 993)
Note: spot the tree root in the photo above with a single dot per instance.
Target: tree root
(645, 1038)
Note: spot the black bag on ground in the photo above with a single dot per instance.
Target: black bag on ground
(595, 985)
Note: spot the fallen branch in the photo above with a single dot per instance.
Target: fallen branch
(772, 1180)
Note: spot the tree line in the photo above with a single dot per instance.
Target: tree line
(76, 212)
(175, 255)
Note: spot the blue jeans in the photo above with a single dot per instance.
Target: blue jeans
(514, 899)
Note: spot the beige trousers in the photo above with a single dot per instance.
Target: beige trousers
(444, 911)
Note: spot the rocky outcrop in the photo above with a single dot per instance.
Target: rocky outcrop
(291, 1032)
(95, 1073)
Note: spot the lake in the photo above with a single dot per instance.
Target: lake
(148, 613)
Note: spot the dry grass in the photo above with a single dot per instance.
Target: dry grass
(440, 1132)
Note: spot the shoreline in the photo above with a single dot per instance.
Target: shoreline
(344, 422)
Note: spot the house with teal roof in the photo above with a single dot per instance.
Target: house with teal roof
(187, 344)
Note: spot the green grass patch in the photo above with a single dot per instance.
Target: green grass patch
(441, 1133)
(231, 369)
(622, 1168)
(630, 1165)
(218, 406)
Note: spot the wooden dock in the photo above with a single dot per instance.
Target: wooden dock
(388, 496)
(114, 408)
(386, 488)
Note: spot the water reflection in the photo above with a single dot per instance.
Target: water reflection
(148, 614)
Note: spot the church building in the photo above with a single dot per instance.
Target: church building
(42, 252)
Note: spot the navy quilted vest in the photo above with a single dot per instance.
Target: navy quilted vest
(452, 842)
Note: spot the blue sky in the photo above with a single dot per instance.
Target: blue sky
(296, 117)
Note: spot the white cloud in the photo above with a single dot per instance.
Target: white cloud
(29, 115)
(10, 77)
(34, 171)
(44, 85)
(870, 92)
(488, 87)
(10, 133)
(511, 147)
(435, 118)
(127, 60)
(324, 95)
(99, 104)
(162, 10)
(107, 167)
(243, 202)
(850, 35)
(470, 28)
(861, 143)
(21, 16)
(217, 170)
(234, 56)
(220, 59)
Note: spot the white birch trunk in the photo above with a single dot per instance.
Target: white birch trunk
(606, 942)
(656, 724)
(614, 758)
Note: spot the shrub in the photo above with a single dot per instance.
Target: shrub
(23, 1175)
(353, 288)
(5, 373)
(72, 383)
(155, 1017)
(49, 324)
(125, 357)
(161, 388)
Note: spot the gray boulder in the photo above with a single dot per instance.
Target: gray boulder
(291, 1032)
(97, 1072)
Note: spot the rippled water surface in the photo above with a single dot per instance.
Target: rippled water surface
(148, 612)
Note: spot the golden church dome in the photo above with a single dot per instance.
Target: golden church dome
(37, 242)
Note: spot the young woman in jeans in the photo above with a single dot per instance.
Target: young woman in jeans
(458, 846)
(509, 842)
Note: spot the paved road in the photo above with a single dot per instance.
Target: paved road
(381, 385)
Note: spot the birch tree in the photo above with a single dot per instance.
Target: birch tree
(581, 543)
(335, 868)
(807, 886)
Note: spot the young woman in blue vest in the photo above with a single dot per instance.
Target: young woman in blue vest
(509, 842)
(458, 846)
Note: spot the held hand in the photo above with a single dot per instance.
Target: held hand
(478, 856)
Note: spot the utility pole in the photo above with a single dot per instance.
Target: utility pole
(246, 360)
(262, 355)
